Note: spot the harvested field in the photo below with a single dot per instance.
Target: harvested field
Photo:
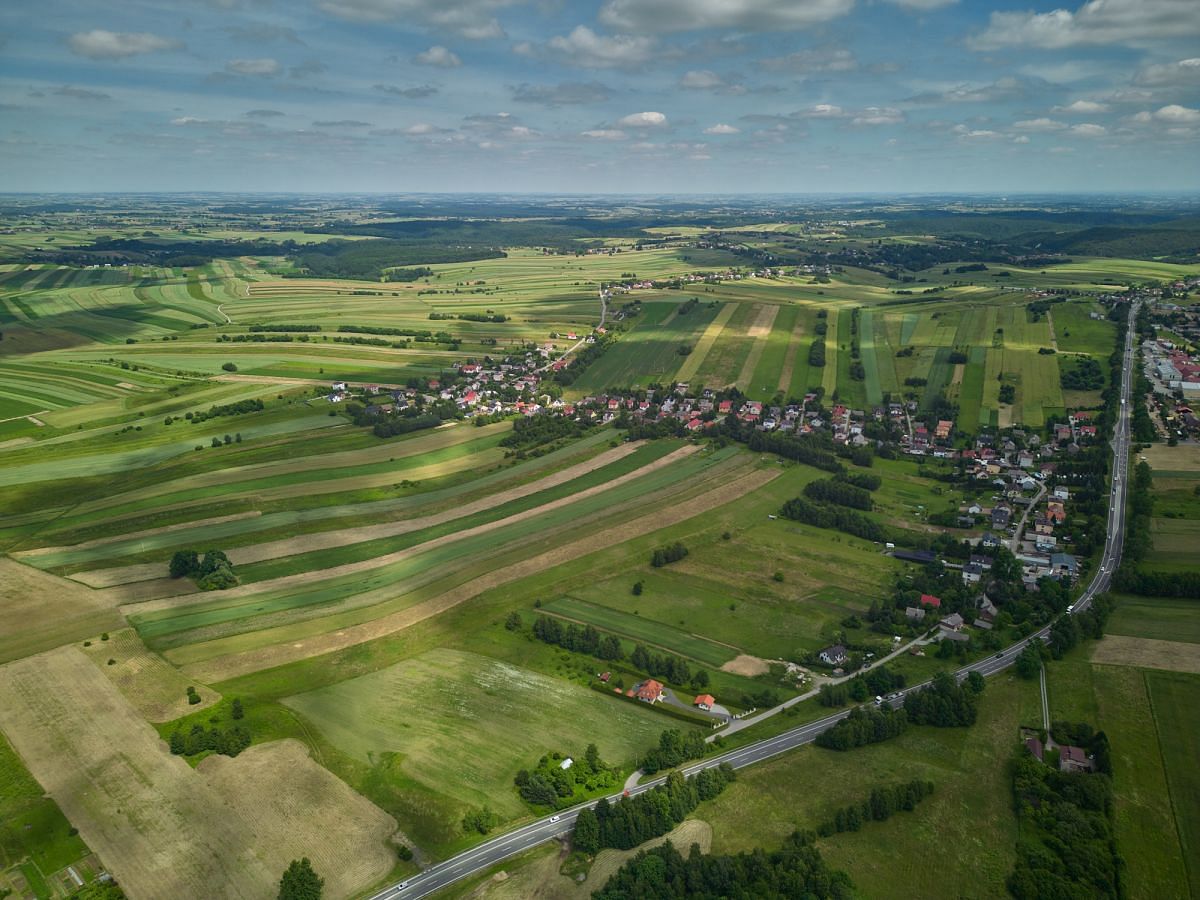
(1147, 653)
(227, 829)
(747, 665)
(156, 689)
(1181, 458)
(41, 611)
(233, 665)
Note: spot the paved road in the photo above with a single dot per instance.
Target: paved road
(478, 858)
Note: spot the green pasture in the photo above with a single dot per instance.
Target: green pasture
(31, 825)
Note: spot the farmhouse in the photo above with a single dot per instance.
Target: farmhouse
(833, 656)
(952, 622)
(704, 701)
(915, 613)
(930, 600)
(649, 691)
(1073, 759)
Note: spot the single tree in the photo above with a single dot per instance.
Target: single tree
(300, 882)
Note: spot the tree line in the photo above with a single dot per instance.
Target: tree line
(862, 727)
(577, 638)
(532, 431)
(947, 702)
(634, 820)
(880, 806)
(800, 509)
(550, 785)
(674, 748)
(841, 493)
(663, 556)
(212, 572)
(663, 873)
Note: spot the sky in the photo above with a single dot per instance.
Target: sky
(600, 96)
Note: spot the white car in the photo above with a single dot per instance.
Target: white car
(554, 819)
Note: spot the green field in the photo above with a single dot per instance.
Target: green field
(1160, 618)
(32, 828)
(461, 725)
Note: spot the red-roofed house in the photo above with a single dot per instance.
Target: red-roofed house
(649, 691)
(694, 425)
(725, 406)
(704, 701)
(930, 600)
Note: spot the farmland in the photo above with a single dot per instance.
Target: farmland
(379, 627)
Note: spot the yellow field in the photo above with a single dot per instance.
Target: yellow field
(1182, 458)
(226, 829)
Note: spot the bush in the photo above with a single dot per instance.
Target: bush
(229, 367)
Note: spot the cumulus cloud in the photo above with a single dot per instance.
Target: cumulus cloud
(439, 57)
(472, 19)
(1177, 115)
(828, 59)
(1184, 72)
(101, 44)
(1082, 107)
(722, 128)
(416, 92)
(564, 94)
(1089, 130)
(878, 115)
(643, 120)
(823, 111)
(1096, 22)
(605, 134)
(263, 68)
(584, 47)
(976, 134)
(701, 80)
(643, 16)
(1040, 124)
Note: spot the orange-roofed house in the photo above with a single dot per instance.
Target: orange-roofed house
(704, 701)
(649, 691)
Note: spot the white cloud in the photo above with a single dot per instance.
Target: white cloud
(1089, 130)
(978, 134)
(722, 128)
(878, 115)
(473, 19)
(1021, 139)
(1186, 71)
(101, 44)
(605, 134)
(1082, 107)
(258, 67)
(1095, 22)
(584, 47)
(650, 16)
(1178, 115)
(821, 60)
(1040, 124)
(437, 56)
(188, 120)
(643, 120)
(823, 111)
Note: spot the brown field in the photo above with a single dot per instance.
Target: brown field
(156, 689)
(233, 665)
(40, 611)
(225, 829)
(1182, 458)
(750, 666)
(540, 878)
(789, 358)
(1147, 653)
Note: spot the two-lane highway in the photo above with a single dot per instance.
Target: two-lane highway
(507, 845)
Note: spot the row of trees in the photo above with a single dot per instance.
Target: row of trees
(633, 820)
(800, 509)
(864, 726)
(674, 748)
(667, 666)
(794, 870)
(227, 742)
(841, 493)
(816, 353)
(532, 431)
(578, 638)
(880, 806)
(946, 702)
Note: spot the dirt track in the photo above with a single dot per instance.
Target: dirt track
(234, 665)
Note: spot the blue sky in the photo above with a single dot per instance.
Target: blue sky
(608, 96)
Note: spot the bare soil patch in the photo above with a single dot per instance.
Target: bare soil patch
(227, 829)
(747, 665)
(236, 664)
(1147, 653)
(957, 377)
(40, 611)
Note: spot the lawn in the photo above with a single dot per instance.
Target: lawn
(1160, 618)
